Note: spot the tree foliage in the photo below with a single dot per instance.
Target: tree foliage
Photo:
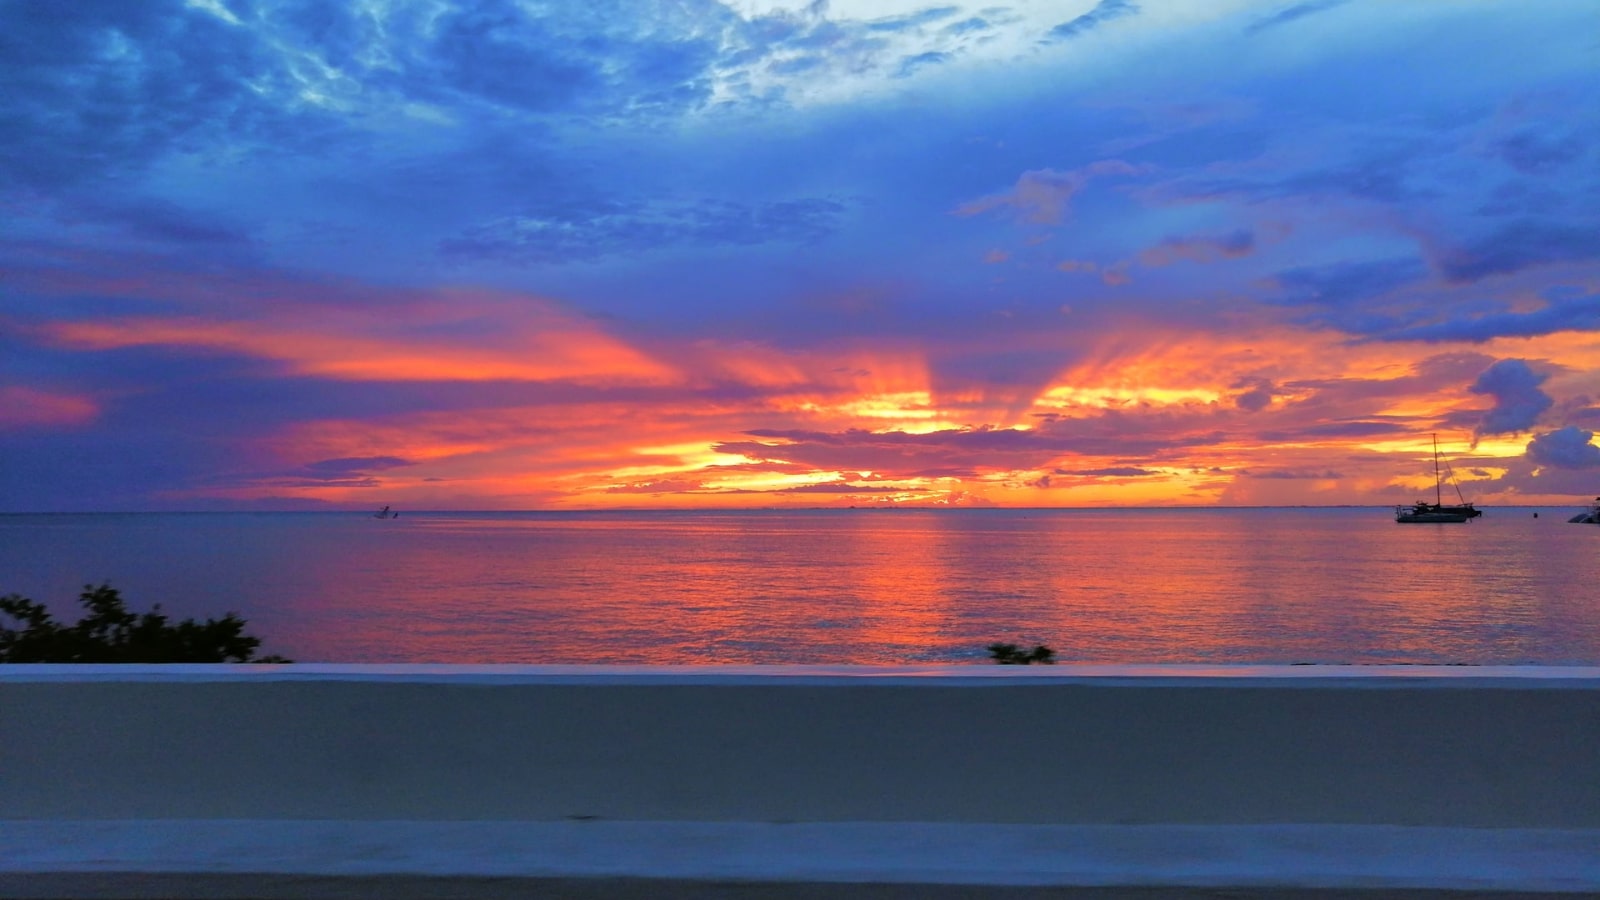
(1012, 655)
(109, 633)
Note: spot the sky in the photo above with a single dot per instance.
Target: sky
(505, 254)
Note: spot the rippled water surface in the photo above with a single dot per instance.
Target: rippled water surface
(873, 587)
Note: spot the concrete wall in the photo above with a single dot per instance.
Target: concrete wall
(1481, 748)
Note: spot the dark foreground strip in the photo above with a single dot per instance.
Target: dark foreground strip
(140, 886)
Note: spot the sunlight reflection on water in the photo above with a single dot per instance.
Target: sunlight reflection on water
(836, 587)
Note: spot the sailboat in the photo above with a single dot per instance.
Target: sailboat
(1437, 511)
(386, 513)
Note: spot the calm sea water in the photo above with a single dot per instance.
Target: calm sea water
(868, 587)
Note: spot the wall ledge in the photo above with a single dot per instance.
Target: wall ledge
(1302, 856)
(1178, 675)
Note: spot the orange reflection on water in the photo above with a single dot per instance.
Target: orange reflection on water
(885, 587)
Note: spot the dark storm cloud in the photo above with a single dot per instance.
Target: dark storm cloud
(590, 231)
(1292, 13)
(1517, 246)
(590, 59)
(1518, 399)
(1346, 283)
(158, 221)
(1566, 448)
(1103, 12)
(1534, 153)
(349, 467)
(1384, 179)
(570, 58)
(101, 87)
(1523, 199)
(1567, 310)
(1257, 396)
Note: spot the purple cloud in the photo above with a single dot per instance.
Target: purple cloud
(1200, 248)
(1258, 397)
(1565, 448)
(1566, 311)
(1517, 246)
(1043, 196)
(1518, 400)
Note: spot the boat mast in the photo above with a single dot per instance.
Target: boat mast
(1438, 498)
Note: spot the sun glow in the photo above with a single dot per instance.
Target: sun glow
(1108, 397)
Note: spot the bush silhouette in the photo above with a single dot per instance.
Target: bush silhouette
(109, 633)
(1012, 655)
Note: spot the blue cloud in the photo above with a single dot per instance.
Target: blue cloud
(912, 21)
(587, 231)
(1565, 448)
(1200, 248)
(1516, 246)
(1292, 13)
(1533, 153)
(1567, 311)
(911, 64)
(968, 26)
(1518, 399)
(1103, 12)
(93, 89)
(1346, 283)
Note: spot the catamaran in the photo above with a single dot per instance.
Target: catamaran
(1437, 511)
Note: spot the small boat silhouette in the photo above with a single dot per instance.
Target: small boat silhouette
(1438, 510)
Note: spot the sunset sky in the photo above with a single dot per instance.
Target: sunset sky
(504, 254)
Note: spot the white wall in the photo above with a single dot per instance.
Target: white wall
(1481, 748)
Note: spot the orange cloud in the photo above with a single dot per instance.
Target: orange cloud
(500, 338)
(22, 407)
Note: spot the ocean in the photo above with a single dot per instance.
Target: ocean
(870, 587)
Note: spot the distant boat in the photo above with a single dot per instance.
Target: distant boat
(1437, 511)
(1590, 516)
(386, 513)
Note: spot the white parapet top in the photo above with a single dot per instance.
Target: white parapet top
(1189, 675)
(1335, 776)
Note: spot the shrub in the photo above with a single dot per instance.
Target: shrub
(109, 633)
(1012, 655)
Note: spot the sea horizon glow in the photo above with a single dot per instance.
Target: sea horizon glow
(497, 255)
(824, 586)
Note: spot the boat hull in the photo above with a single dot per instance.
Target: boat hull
(1427, 513)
